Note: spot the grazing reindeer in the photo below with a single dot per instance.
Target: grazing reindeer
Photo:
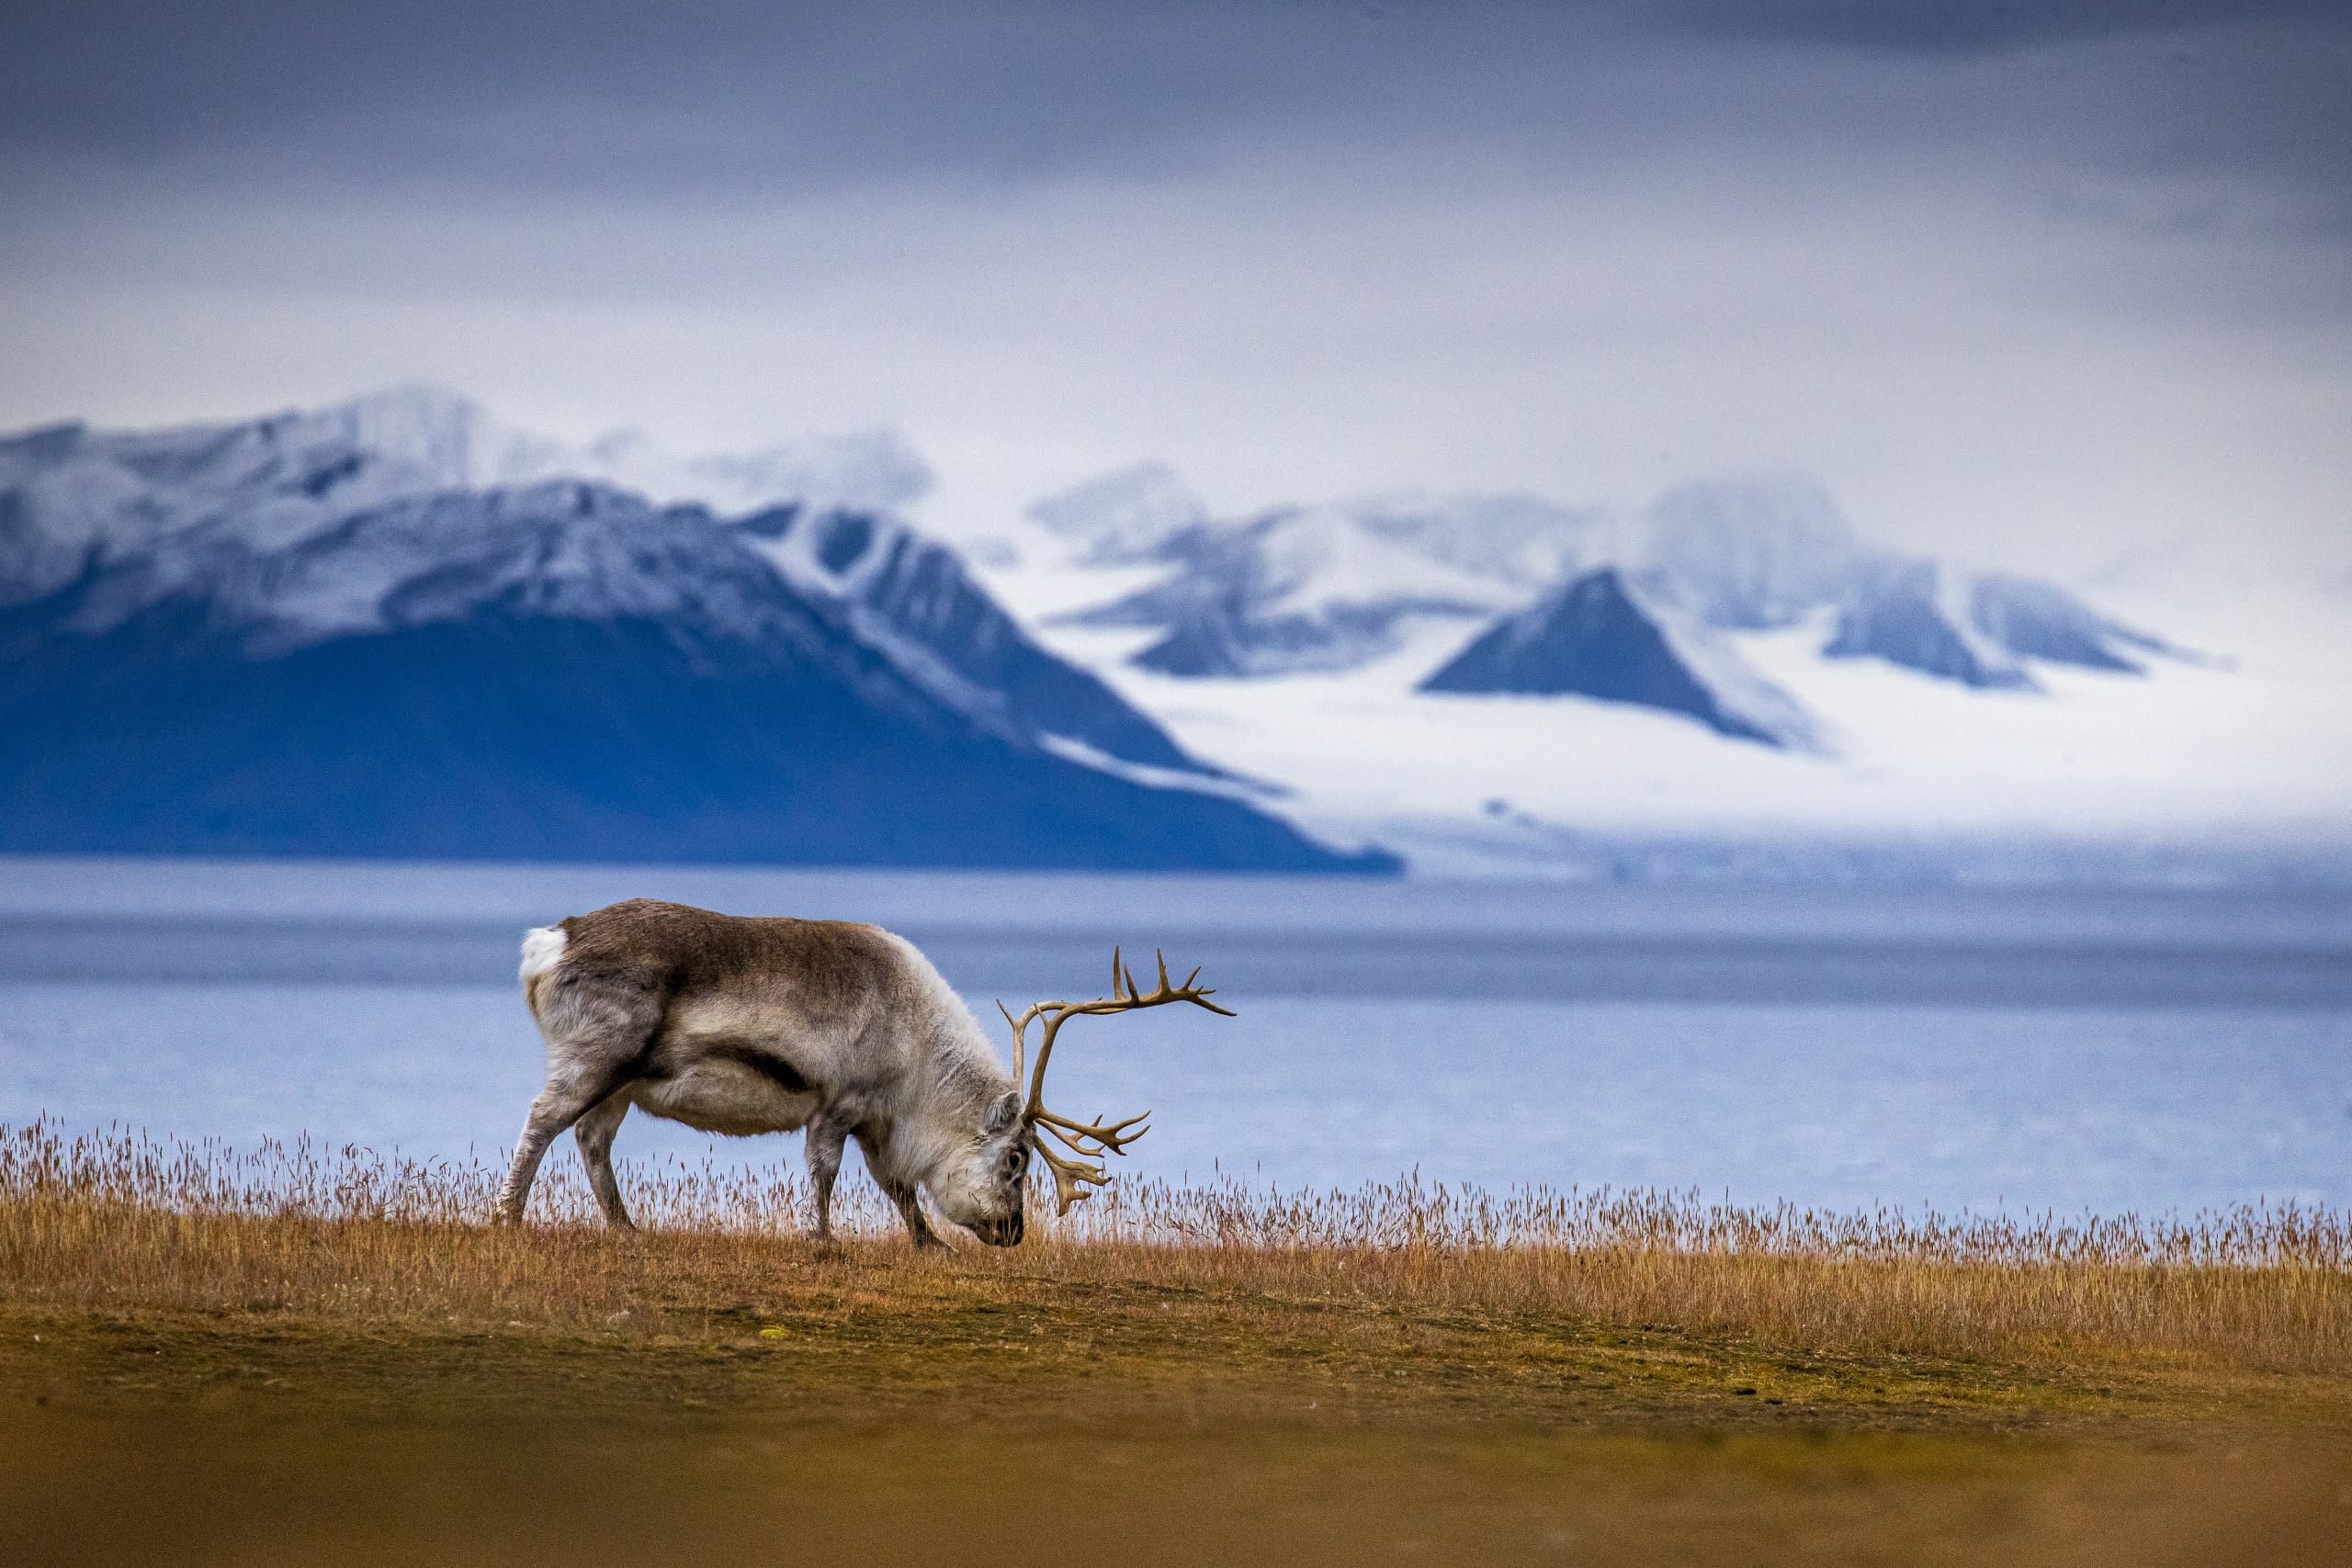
(738, 1025)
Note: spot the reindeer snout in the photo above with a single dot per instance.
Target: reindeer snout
(1003, 1233)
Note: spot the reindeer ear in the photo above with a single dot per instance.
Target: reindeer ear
(1002, 1114)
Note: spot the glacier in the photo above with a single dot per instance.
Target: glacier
(2123, 752)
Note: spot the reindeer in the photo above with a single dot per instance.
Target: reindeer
(740, 1025)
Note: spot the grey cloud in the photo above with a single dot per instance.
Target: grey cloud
(887, 88)
(1976, 27)
(736, 94)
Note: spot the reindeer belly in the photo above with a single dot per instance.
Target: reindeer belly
(726, 1097)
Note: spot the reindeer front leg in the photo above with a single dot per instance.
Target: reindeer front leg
(903, 1195)
(900, 1191)
(826, 1137)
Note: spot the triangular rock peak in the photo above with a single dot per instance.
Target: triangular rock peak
(1601, 636)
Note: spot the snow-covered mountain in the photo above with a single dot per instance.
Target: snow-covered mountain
(71, 490)
(1327, 587)
(913, 595)
(456, 444)
(1730, 680)
(1750, 555)
(1339, 587)
(1762, 555)
(277, 636)
(1134, 514)
(400, 626)
(1917, 613)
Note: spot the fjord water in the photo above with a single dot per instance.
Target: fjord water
(2026, 1049)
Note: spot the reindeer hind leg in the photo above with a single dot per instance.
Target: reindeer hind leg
(595, 1132)
(598, 1029)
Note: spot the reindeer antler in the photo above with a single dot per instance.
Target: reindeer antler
(1074, 1179)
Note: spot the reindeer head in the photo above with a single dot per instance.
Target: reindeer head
(982, 1188)
(1012, 1131)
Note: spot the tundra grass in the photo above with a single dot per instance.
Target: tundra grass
(294, 1356)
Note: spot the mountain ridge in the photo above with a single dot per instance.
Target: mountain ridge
(763, 689)
(1337, 587)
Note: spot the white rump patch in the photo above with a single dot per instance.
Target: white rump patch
(542, 951)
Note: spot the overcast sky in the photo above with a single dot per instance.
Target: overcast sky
(2032, 282)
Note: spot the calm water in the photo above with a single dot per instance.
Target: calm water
(2073, 1051)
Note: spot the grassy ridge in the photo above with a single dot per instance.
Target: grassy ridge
(309, 1355)
(116, 1221)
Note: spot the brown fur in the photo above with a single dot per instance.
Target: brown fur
(675, 950)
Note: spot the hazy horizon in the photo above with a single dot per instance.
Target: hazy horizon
(2040, 287)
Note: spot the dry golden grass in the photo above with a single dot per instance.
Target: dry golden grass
(116, 1222)
(296, 1355)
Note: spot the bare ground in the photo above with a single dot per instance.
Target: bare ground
(860, 1404)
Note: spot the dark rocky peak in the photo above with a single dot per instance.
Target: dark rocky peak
(1600, 636)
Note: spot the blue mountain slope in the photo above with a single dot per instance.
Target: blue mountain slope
(1901, 616)
(919, 590)
(1976, 631)
(2038, 620)
(562, 673)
